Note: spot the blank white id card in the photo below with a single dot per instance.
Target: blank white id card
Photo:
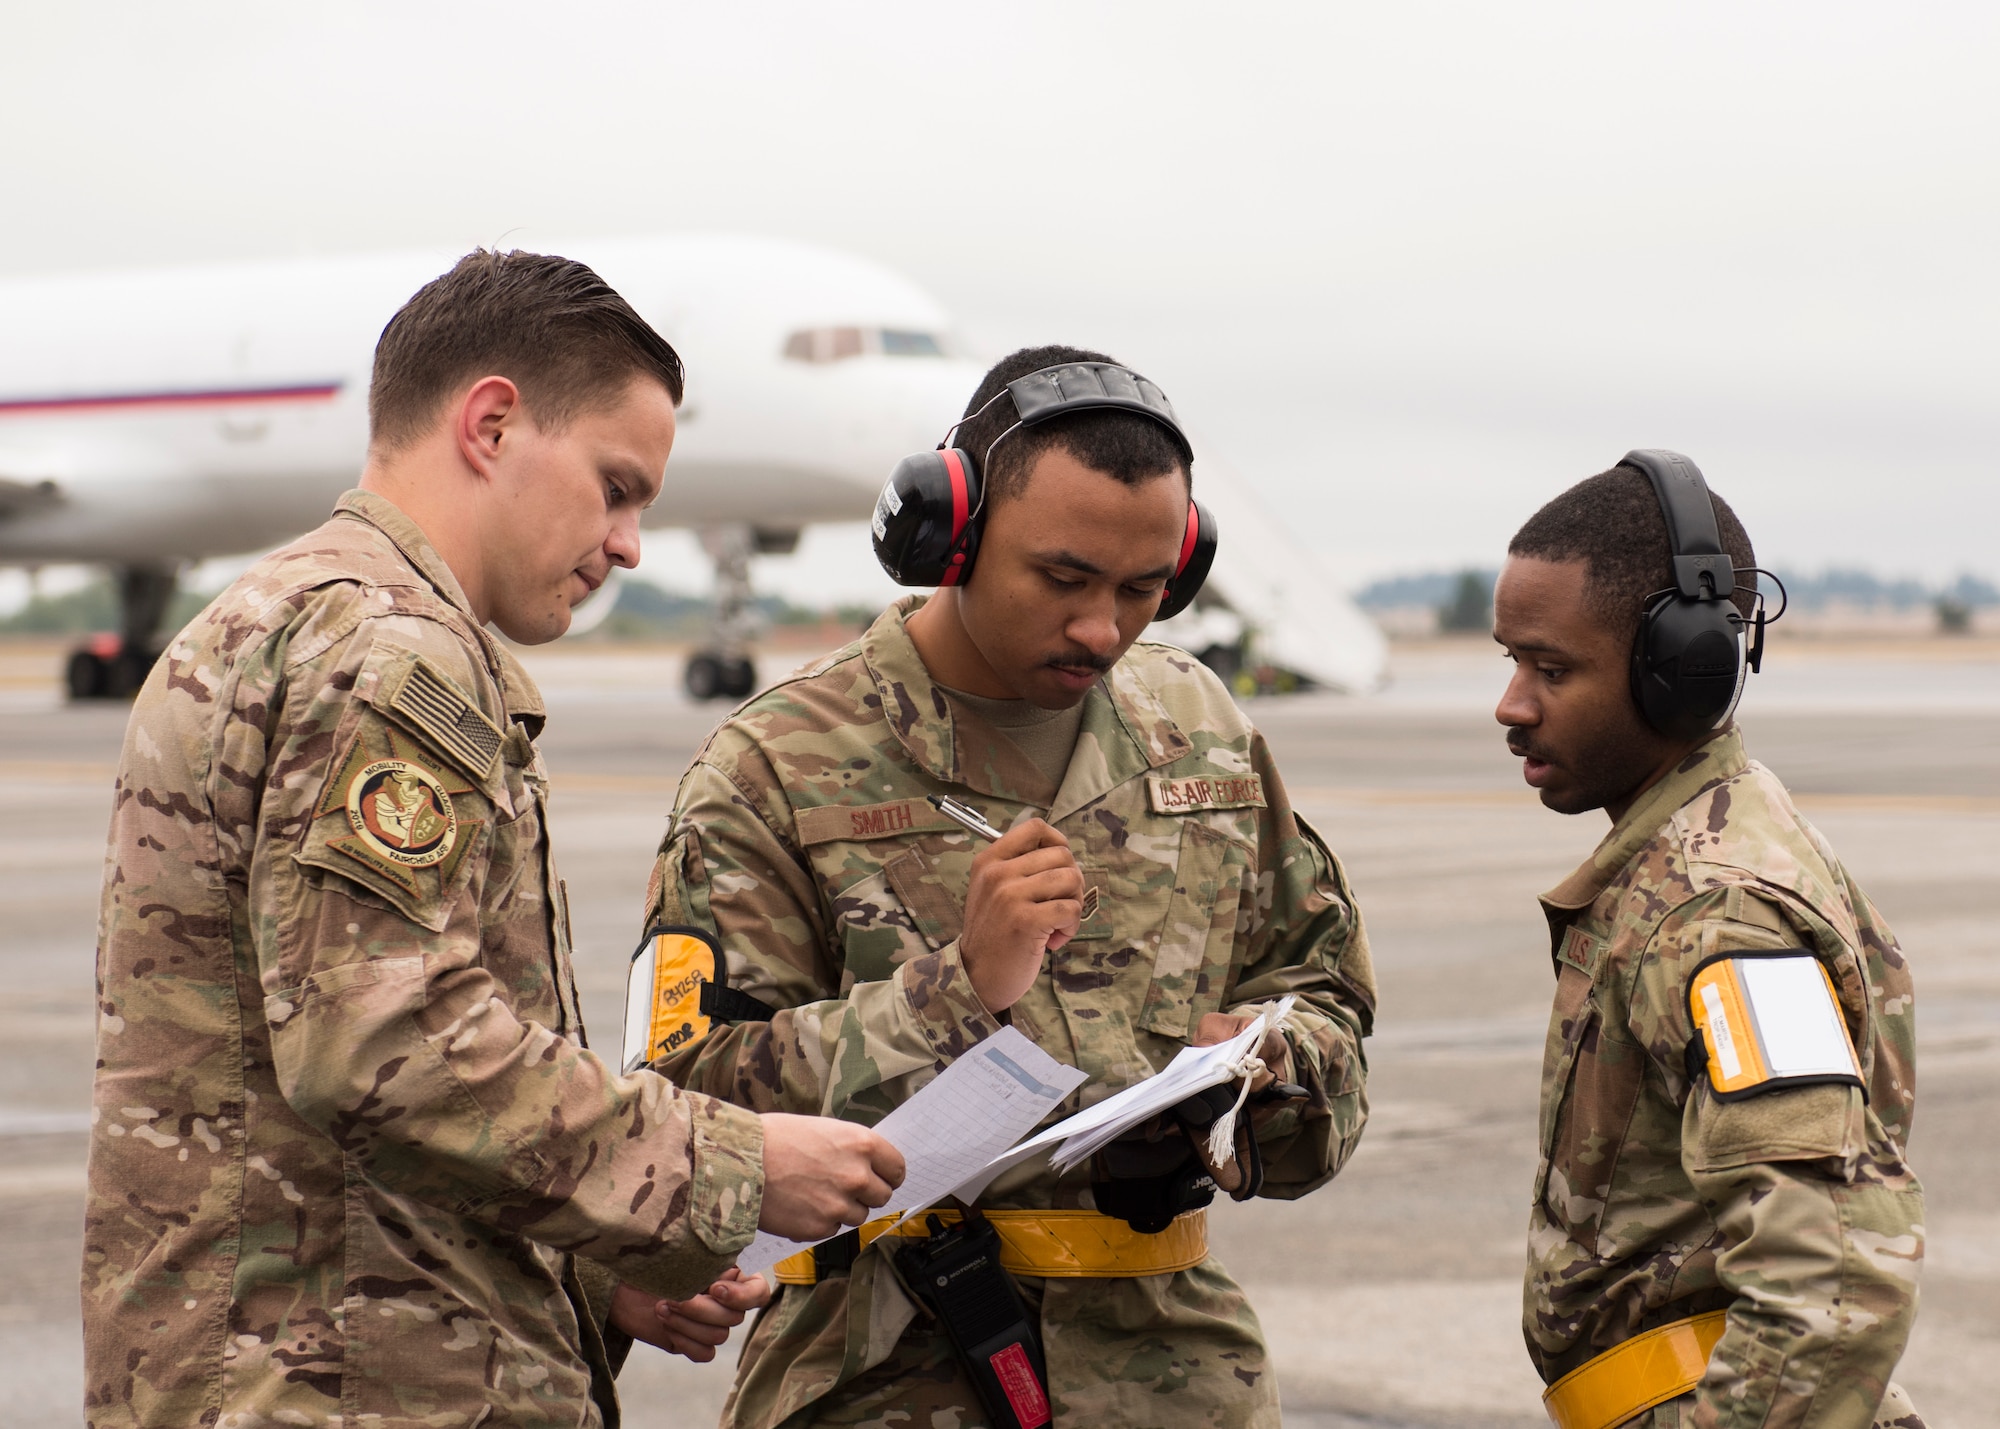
(1769, 1019)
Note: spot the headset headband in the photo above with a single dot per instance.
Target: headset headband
(1702, 569)
(1078, 387)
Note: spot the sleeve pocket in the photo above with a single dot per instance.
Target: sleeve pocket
(1796, 1124)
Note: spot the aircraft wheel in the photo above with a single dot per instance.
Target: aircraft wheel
(703, 677)
(739, 678)
(128, 672)
(87, 676)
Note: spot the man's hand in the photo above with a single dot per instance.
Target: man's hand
(1025, 900)
(695, 1328)
(821, 1174)
(1216, 1027)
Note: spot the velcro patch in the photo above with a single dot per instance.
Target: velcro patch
(1580, 950)
(837, 823)
(439, 709)
(1187, 796)
(399, 819)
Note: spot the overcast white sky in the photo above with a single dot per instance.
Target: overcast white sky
(1414, 266)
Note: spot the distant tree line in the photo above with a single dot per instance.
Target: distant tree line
(644, 611)
(1462, 590)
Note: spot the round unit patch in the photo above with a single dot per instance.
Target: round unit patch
(402, 812)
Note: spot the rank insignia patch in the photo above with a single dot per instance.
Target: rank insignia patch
(402, 813)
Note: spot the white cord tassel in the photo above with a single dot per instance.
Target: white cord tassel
(1222, 1136)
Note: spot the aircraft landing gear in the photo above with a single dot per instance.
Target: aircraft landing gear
(711, 675)
(722, 669)
(106, 669)
(113, 667)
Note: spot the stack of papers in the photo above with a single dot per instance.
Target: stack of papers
(951, 1130)
(1075, 1139)
(955, 1134)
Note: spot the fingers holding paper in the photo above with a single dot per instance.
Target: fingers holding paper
(821, 1175)
(1274, 1051)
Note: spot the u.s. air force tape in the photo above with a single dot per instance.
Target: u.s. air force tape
(677, 988)
(1766, 1020)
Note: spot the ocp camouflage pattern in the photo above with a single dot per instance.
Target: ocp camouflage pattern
(802, 837)
(1794, 1210)
(351, 1164)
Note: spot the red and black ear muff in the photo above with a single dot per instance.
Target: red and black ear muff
(1197, 555)
(925, 527)
(928, 518)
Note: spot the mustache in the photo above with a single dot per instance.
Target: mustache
(1079, 660)
(1521, 747)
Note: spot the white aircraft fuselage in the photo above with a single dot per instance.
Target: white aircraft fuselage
(212, 411)
(158, 418)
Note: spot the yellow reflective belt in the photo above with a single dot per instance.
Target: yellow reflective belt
(1054, 1244)
(1646, 1370)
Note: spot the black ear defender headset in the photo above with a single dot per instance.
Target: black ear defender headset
(929, 516)
(1694, 649)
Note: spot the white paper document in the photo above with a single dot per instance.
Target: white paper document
(955, 1134)
(1076, 1138)
(951, 1130)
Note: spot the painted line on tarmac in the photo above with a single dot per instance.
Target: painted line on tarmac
(42, 1181)
(21, 1121)
(1524, 798)
(57, 771)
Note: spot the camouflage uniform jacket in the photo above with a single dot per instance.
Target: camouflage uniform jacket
(801, 835)
(345, 1130)
(1793, 1210)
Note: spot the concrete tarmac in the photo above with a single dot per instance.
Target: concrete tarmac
(1392, 1296)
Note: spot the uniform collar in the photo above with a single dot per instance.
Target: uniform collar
(389, 518)
(1126, 729)
(517, 688)
(1710, 764)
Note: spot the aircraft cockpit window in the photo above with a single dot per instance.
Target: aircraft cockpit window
(900, 343)
(832, 344)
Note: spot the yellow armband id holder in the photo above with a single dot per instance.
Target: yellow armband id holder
(1767, 1020)
(677, 988)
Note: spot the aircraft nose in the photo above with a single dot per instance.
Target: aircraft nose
(921, 397)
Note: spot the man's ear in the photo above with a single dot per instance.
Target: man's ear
(484, 419)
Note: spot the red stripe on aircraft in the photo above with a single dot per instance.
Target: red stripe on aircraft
(206, 397)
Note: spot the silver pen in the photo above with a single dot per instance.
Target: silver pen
(966, 816)
(970, 819)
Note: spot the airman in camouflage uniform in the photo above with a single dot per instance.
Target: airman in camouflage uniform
(351, 1163)
(1784, 1207)
(1795, 1210)
(801, 835)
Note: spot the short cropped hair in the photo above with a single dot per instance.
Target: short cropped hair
(550, 325)
(1123, 445)
(1612, 523)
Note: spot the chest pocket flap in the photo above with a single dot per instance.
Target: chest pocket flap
(1196, 941)
(920, 884)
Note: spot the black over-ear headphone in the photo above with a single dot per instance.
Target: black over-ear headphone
(929, 516)
(1691, 656)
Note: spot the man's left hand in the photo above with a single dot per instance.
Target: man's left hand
(697, 1327)
(1276, 1052)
